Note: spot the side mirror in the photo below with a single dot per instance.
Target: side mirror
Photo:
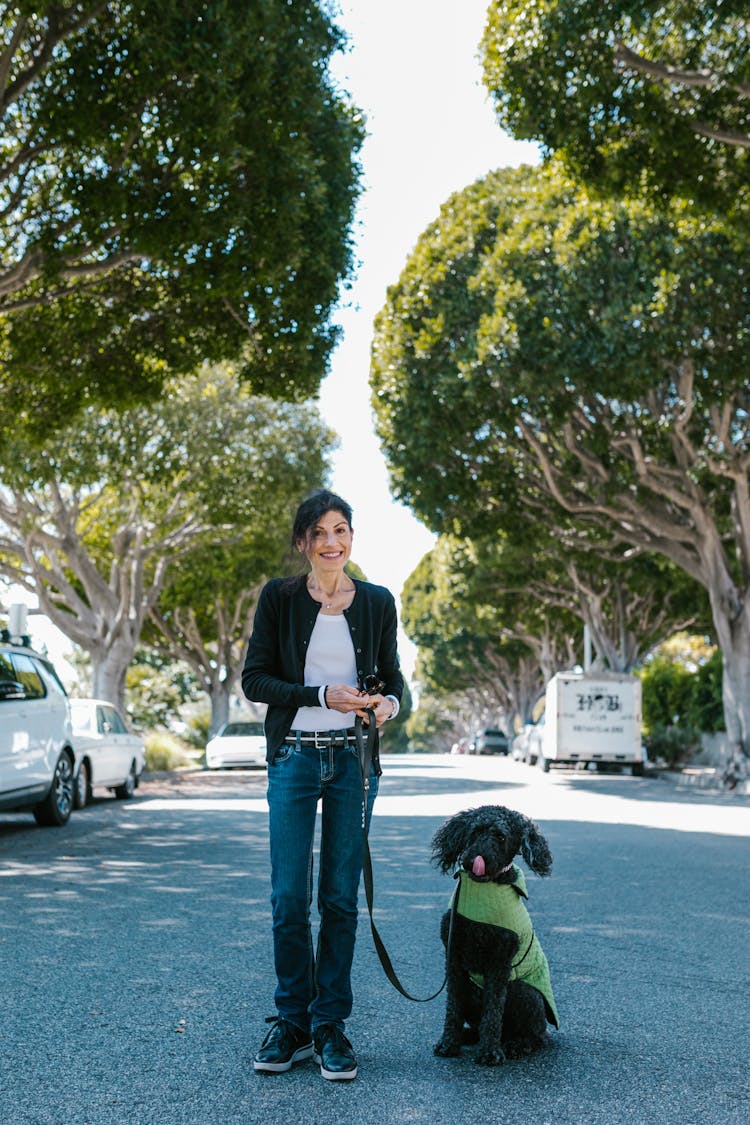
(11, 689)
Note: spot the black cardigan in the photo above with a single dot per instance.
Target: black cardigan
(274, 671)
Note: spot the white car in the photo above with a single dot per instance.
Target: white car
(37, 760)
(519, 747)
(108, 756)
(237, 743)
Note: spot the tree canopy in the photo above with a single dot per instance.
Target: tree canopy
(97, 523)
(177, 182)
(495, 619)
(493, 645)
(553, 353)
(648, 95)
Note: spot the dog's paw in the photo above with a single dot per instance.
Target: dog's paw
(447, 1049)
(520, 1048)
(492, 1056)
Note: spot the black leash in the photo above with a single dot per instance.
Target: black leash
(365, 739)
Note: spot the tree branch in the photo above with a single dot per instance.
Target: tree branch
(665, 72)
(58, 29)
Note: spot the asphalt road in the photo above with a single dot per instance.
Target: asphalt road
(135, 958)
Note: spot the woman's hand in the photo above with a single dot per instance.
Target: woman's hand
(382, 707)
(341, 697)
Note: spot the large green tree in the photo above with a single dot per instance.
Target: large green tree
(494, 647)
(177, 181)
(96, 523)
(651, 95)
(204, 615)
(547, 352)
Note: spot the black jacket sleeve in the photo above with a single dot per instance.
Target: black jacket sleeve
(266, 676)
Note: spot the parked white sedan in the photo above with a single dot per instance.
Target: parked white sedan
(237, 744)
(108, 756)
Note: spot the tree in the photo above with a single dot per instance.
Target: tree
(95, 523)
(435, 724)
(156, 689)
(162, 203)
(204, 615)
(682, 684)
(496, 619)
(666, 692)
(705, 711)
(632, 96)
(394, 738)
(496, 648)
(629, 601)
(548, 352)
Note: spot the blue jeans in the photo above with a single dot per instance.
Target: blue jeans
(315, 989)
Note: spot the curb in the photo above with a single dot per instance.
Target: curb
(706, 779)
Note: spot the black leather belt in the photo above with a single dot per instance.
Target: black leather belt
(322, 739)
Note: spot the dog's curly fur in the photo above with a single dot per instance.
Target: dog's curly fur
(507, 1018)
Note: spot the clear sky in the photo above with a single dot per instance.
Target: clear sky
(413, 70)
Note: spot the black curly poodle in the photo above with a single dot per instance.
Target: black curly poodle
(497, 973)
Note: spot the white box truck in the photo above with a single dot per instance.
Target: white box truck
(592, 718)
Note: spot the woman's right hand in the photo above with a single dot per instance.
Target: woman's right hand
(341, 697)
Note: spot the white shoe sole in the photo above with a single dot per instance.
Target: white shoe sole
(334, 1075)
(299, 1055)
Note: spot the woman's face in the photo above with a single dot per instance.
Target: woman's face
(328, 545)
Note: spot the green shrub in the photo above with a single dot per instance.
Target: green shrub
(165, 752)
(673, 745)
(705, 708)
(197, 731)
(666, 689)
(675, 695)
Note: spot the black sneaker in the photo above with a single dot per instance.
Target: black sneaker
(334, 1053)
(284, 1045)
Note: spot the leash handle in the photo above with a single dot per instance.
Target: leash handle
(365, 749)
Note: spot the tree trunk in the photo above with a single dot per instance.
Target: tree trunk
(220, 693)
(733, 635)
(109, 669)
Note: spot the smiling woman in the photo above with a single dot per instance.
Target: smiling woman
(317, 640)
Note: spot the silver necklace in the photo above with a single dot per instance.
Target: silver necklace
(325, 604)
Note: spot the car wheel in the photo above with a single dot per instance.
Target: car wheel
(82, 787)
(54, 811)
(127, 789)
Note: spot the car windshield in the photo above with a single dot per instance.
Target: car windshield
(254, 730)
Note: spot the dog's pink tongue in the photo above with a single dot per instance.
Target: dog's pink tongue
(477, 867)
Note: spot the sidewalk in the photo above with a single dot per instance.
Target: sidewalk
(702, 777)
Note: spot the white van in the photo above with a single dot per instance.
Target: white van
(37, 760)
(591, 718)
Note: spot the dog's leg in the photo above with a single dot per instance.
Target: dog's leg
(490, 1051)
(524, 1021)
(449, 1044)
(499, 946)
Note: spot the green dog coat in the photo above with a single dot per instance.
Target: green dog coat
(502, 905)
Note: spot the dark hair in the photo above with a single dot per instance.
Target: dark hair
(312, 510)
